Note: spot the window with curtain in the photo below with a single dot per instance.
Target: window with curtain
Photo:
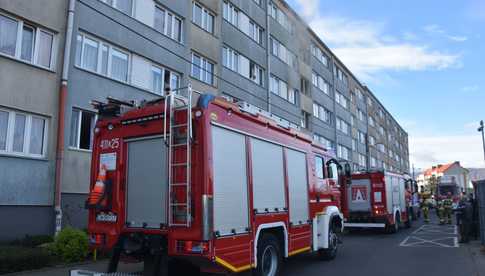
(3, 130)
(23, 41)
(22, 133)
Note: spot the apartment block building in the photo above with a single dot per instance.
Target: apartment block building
(257, 51)
(31, 42)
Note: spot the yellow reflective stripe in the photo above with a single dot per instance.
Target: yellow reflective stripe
(231, 267)
(299, 251)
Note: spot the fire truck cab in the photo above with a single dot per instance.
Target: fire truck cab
(221, 187)
(377, 199)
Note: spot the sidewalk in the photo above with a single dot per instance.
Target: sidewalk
(99, 266)
(478, 257)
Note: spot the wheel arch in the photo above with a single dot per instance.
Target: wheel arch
(276, 228)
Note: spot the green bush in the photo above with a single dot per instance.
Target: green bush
(17, 258)
(71, 245)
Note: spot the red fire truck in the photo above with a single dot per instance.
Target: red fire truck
(219, 186)
(376, 199)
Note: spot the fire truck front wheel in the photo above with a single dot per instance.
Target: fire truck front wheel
(269, 256)
(331, 252)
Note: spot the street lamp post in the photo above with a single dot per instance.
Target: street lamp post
(481, 129)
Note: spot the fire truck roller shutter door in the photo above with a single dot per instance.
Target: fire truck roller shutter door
(230, 182)
(388, 182)
(146, 183)
(268, 176)
(297, 186)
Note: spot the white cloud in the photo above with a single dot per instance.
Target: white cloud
(427, 151)
(437, 30)
(434, 28)
(366, 48)
(458, 38)
(470, 88)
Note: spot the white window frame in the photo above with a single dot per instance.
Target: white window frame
(205, 13)
(290, 93)
(99, 58)
(322, 113)
(115, 6)
(27, 131)
(172, 24)
(340, 126)
(35, 54)
(78, 132)
(203, 69)
(341, 100)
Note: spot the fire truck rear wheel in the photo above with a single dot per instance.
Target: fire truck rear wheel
(393, 228)
(269, 256)
(330, 253)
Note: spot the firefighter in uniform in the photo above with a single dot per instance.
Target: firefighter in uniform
(440, 209)
(425, 203)
(447, 208)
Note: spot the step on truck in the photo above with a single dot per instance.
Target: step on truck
(217, 187)
(377, 199)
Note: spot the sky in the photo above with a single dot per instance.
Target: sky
(424, 60)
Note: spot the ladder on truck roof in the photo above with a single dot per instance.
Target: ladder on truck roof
(177, 133)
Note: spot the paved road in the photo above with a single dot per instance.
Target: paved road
(428, 250)
(425, 249)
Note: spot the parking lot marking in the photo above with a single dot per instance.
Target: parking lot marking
(432, 236)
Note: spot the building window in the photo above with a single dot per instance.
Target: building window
(361, 137)
(102, 58)
(82, 129)
(280, 51)
(22, 133)
(324, 141)
(373, 162)
(168, 24)
(361, 114)
(304, 86)
(320, 83)
(162, 79)
(369, 101)
(280, 88)
(362, 160)
(321, 113)
(342, 126)
(371, 121)
(202, 69)
(340, 75)
(278, 15)
(245, 67)
(230, 13)
(305, 118)
(372, 140)
(241, 21)
(256, 32)
(354, 144)
(25, 42)
(341, 100)
(202, 17)
(343, 152)
(319, 55)
(125, 6)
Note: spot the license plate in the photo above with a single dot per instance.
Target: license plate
(106, 217)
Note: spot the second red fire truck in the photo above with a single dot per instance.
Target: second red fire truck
(219, 186)
(377, 199)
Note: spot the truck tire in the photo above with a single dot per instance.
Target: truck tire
(330, 253)
(155, 265)
(393, 228)
(269, 256)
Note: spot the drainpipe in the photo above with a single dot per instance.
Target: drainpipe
(60, 116)
(268, 55)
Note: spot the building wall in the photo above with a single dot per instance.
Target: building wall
(133, 34)
(26, 181)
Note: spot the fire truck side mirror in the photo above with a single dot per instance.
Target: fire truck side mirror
(347, 170)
